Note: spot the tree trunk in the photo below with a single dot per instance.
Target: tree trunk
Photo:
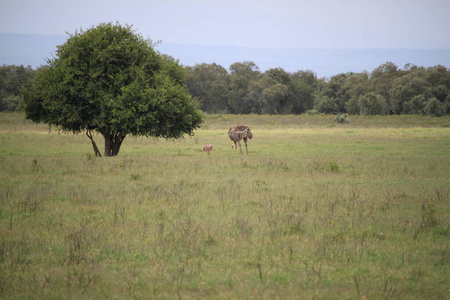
(113, 143)
(108, 144)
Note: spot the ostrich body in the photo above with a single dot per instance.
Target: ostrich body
(239, 133)
(207, 148)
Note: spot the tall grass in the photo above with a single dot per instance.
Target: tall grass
(316, 210)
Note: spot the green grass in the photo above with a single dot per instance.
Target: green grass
(316, 210)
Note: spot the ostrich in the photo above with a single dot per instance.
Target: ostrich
(207, 148)
(238, 133)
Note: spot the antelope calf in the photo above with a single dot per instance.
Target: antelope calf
(207, 148)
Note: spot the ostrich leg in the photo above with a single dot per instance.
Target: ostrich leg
(240, 148)
(246, 149)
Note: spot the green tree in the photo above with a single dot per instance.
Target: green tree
(297, 96)
(332, 96)
(12, 80)
(301, 89)
(373, 104)
(279, 75)
(434, 107)
(274, 98)
(439, 76)
(439, 80)
(440, 92)
(209, 83)
(241, 76)
(338, 90)
(300, 97)
(447, 104)
(256, 89)
(416, 105)
(279, 97)
(405, 87)
(308, 77)
(356, 86)
(353, 106)
(110, 80)
(381, 81)
(325, 104)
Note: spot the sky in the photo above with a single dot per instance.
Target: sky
(281, 24)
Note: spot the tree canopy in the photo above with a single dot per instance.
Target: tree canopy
(110, 80)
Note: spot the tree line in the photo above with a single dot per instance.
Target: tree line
(244, 89)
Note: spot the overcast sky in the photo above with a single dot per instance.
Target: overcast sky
(285, 24)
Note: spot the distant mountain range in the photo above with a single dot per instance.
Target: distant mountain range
(34, 49)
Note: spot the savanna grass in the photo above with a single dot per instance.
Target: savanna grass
(316, 210)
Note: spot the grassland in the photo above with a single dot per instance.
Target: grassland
(316, 210)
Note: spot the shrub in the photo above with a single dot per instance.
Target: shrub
(341, 119)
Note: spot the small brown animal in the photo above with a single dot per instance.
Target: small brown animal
(207, 148)
(238, 133)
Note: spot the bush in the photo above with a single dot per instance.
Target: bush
(341, 119)
(312, 112)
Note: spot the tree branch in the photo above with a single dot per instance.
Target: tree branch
(94, 145)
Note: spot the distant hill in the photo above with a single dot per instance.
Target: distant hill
(33, 49)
